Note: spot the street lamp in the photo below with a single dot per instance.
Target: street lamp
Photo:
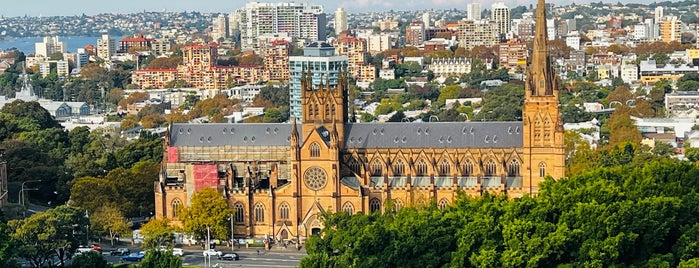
(21, 196)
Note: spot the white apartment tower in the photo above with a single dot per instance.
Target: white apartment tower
(220, 27)
(298, 20)
(106, 47)
(49, 46)
(426, 19)
(340, 20)
(659, 14)
(500, 14)
(473, 11)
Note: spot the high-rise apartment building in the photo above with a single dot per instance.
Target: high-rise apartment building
(299, 20)
(378, 42)
(324, 66)
(62, 69)
(473, 11)
(340, 20)
(356, 50)
(50, 45)
(513, 54)
(477, 33)
(415, 33)
(220, 27)
(276, 59)
(500, 14)
(426, 19)
(659, 14)
(106, 47)
(670, 29)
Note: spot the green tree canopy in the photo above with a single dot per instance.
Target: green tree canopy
(208, 210)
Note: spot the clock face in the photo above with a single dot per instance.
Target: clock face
(315, 178)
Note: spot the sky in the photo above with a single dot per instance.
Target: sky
(13, 8)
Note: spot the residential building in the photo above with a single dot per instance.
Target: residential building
(573, 40)
(385, 24)
(500, 14)
(299, 20)
(513, 56)
(652, 72)
(137, 42)
(477, 33)
(219, 29)
(358, 58)
(320, 60)
(276, 60)
(106, 47)
(448, 67)
(629, 73)
(426, 20)
(415, 33)
(62, 69)
(160, 46)
(340, 20)
(670, 29)
(378, 43)
(49, 46)
(279, 179)
(473, 11)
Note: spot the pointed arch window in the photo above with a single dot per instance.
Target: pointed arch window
(348, 207)
(542, 169)
(354, 165)
(421, 167)
(444, 203)
(444, 167)
(332, 109)
(176, 206)
(399, 168)
(467, 169)
(327, 111)
(513, 168)
(398, 204)
(284, 211)
(259, 213)
(239, 213)
(315, 149)
(490, 168)
(374, 205)
(315, 110)
(376, 168)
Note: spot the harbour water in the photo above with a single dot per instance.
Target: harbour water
(26, 44)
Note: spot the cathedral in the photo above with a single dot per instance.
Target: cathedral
(279, 178)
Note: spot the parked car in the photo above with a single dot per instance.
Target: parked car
(96, 247)
(83, 249)
(230, 257)
(120, 252)
(212, 252)
(178, 252)
(136, 256)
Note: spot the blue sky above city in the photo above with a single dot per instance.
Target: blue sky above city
(92, 7)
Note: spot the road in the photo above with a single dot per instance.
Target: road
(283, 258)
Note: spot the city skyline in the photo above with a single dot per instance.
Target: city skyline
(70, 7)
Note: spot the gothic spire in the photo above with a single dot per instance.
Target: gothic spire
(540, 77)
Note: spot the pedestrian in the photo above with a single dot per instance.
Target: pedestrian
(258, 252)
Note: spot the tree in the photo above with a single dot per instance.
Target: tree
(89, 260)
(158, 233)
(449, 92)
(31, 110)
(622, 129)
(208, 210)
(49, 233)
(8, 245)
(108, 220)
(160, 259)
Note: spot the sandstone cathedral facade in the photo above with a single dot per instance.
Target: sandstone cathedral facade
(279, 178)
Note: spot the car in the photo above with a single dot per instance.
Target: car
(212, 252)
(96, 247)
(83, 249)
(178, 252)
(135, 256)
(120, 252)
(230, 257)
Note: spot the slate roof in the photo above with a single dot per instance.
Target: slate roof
(434, 135)
(222, 134)
(358, 135)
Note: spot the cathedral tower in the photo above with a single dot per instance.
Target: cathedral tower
(543, 146)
